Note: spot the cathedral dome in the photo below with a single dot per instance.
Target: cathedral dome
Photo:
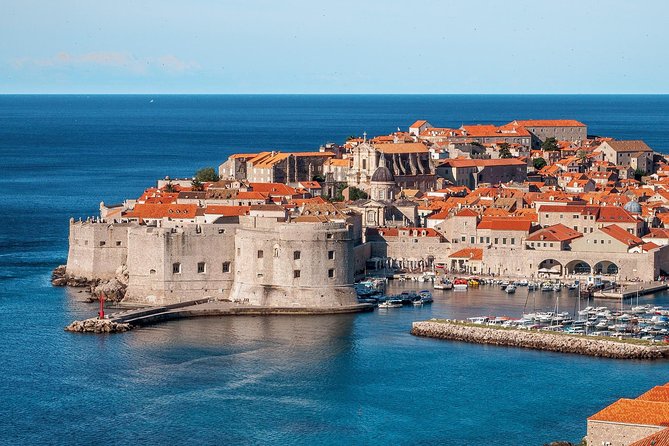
(632, 207)
(383, 175)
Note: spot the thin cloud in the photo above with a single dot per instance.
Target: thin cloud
(109, 59)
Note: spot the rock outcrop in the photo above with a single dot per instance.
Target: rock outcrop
(539, 340)
(95, 325)
(114, 289)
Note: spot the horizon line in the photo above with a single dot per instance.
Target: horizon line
(328, 94)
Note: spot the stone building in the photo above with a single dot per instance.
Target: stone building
(410, 164)
(641, 421)
(560, 129)
(472, 172)
(275, 167)
(634, 154)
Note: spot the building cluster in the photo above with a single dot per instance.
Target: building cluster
(533, 198)
(642, 421)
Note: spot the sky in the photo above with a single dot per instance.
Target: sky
(342, 46)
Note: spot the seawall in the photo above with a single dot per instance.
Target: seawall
(538, 340)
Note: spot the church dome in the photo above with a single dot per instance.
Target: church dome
(383, 175)
(632, 207)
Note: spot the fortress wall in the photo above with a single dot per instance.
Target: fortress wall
(96, 249)
(154, 251)
(267, 268)
(361, 254)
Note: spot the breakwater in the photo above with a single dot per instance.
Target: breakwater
(539, 340)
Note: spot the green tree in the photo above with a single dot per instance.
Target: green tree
(170, 187)
(638, 174)
(207, 174)
(356, 194)
(318, 177)
(504, 151)
(539, 163)
(197, 185)
(550, 144)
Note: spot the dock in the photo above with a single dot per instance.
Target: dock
(140, 317)
(631, 290)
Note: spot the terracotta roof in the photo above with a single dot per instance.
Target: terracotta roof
(338, 162)
(468, 253)
(466, 212)
(657, 393)
(418, 123)
(273, 189)
(649, 413)
(621, 235)
(395, 232)
(227, 211)
(243, 155)
(658, 233)
(155, 211)
(660, 438)
(491, 131)
(465, 162)
(411, 147)
(505, 224)
(549, 123)
(557, 233)
(615, 214)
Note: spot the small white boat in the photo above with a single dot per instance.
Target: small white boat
(547, 286)
(523, 282)
(391, 304)
(443, 284)
(531, 286)
(510, 289)
(417, 303)
(557, 287)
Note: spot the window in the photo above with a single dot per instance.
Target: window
(496, 241)
(201, 267)
(463, 238)
(595, 242)
(176, 268)
(239, 251)
(276, 252)
(472, 239)
(331, 255)
(118, 243)
(480, 239)
(328, 235)
(330, 273)
(153, 271)
(487, 239)
(102, 243)
(513, 241)
(551, 245)
(575, 228)
(296, 255)
(296, 273)
(260, 254)
(504, 241)
(226, 267)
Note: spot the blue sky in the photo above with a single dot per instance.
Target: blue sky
(289, 46)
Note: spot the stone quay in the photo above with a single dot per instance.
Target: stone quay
(539, 340)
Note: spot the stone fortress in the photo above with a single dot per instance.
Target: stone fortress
(253, 259)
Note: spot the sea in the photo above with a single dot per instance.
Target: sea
(307, 380)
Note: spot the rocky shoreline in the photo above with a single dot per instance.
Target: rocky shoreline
(538, 340)
(113, 289)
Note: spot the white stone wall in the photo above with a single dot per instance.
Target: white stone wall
(96, 250)
(326, 264)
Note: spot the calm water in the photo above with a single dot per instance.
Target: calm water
(358, 379)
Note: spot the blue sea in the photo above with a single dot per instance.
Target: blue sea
(347, 379)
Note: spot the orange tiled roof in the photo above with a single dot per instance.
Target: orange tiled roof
(505, 224)
(621, 235)
(180, 211)
(660, 438)
(227, 211)
(549, 123)
(418, 123)
(410, 147)
(468, 253)
(649, 413)
(413, 232)
(555, 233)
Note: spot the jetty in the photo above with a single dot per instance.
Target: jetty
(631, 290)
(540, 340)
(140, 317)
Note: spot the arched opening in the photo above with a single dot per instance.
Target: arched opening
(550, 268)
(606, 267)
(578, 267)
